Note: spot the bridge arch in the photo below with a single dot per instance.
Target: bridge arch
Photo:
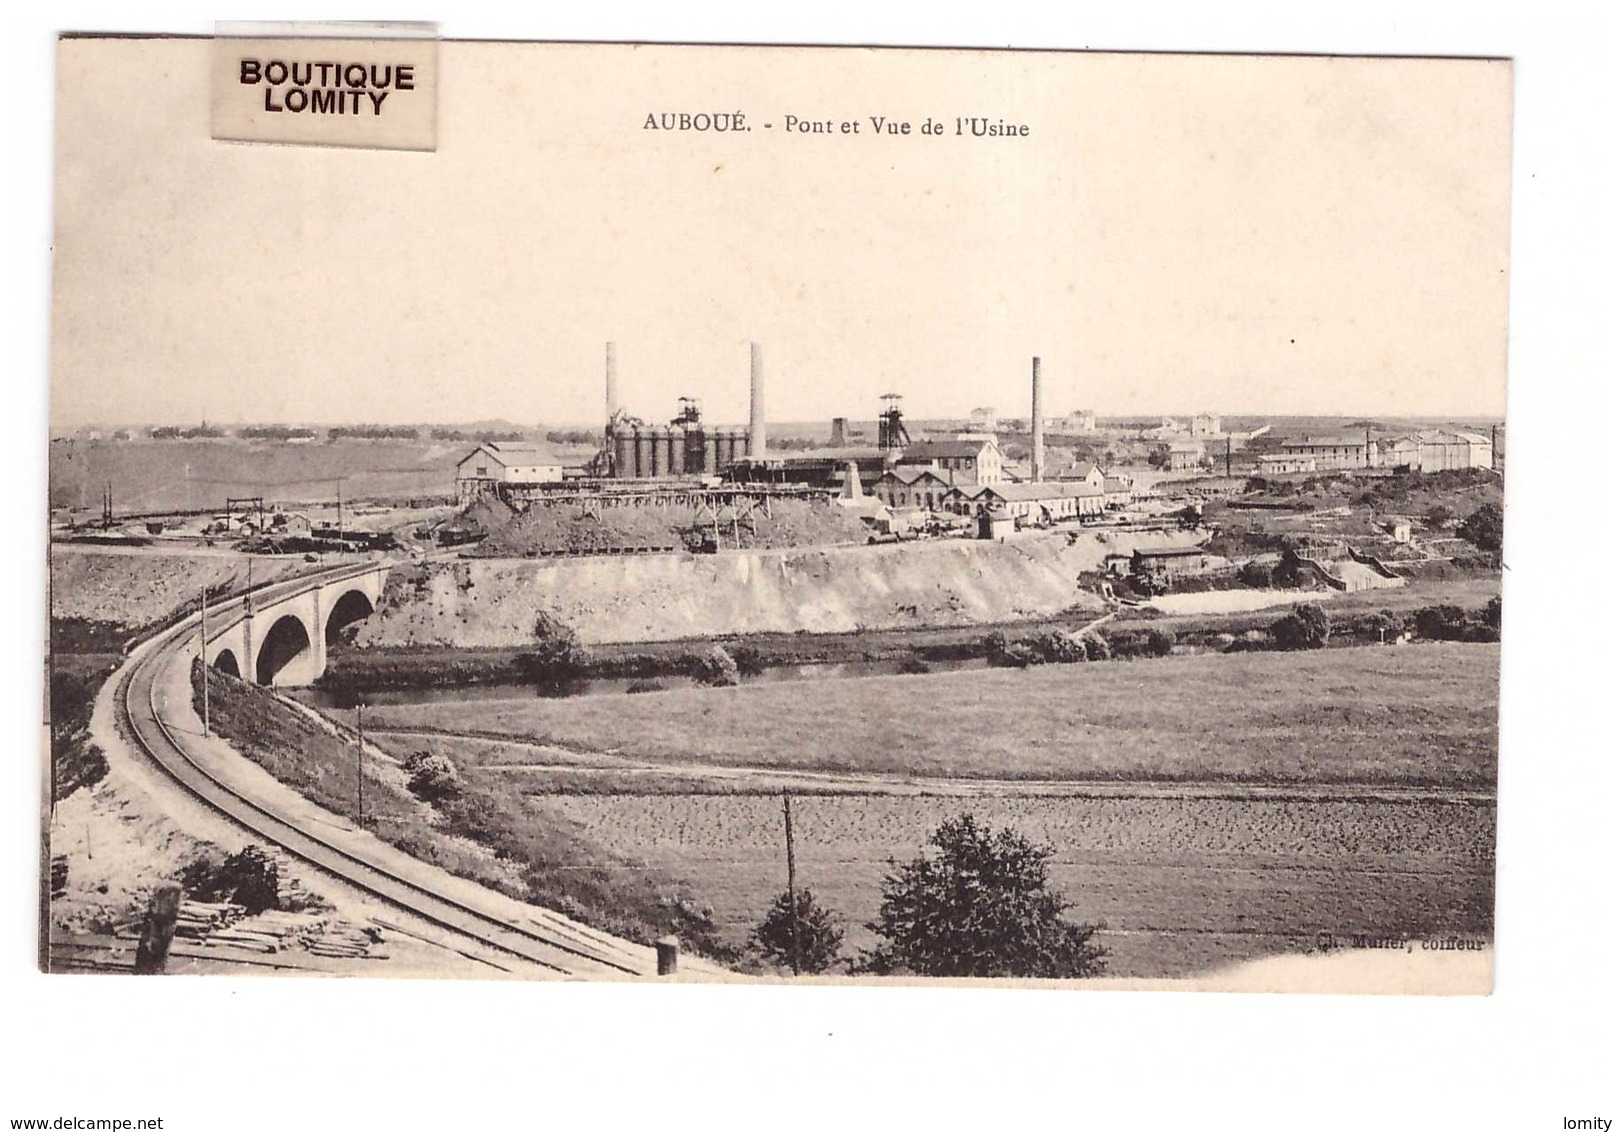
(285, 646)
(351, 607)
(226, 662)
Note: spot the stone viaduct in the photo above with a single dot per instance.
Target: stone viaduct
(279, 636)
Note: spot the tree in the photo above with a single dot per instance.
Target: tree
(1304, 627)
(557, 653)
(716, 668)
(979, 907)
(820, 934)
(1485, 528)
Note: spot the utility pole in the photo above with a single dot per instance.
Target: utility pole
(360, 756)
(793, 902)
(1228, 464)
(202, 654)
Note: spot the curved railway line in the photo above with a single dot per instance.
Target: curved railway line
(560, 946)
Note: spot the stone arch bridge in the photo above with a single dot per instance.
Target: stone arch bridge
(279, 635)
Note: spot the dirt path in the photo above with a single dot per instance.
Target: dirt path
(614, 765)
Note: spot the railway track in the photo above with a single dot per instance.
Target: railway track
(558, 945)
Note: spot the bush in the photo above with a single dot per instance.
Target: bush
(248, 878)
(1257, 574)
(432, 777)
(913, 665)
(637, 687)
(979, 907)
(750, 660)
(1160, 642)
(1094, 643)
(1493, 614)
(1304, 627)
(715, 667)
(1059, 647)
(820, 935)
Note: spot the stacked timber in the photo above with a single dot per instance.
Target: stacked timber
(344, 940)
(198, 919)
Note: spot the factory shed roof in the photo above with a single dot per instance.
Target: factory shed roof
(1035, 492)
(515, 454)
(944, 449)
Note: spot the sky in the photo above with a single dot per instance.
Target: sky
(1176, 234)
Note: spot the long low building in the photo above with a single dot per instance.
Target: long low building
(1034, 502)
(1437, 450)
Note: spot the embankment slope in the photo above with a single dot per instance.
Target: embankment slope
(495, 602)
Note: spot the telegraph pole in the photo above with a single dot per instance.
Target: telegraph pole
(360, 756)
(793, 903)
(202, 654)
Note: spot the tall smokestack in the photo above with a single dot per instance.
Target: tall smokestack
(757, 402)
(1038, 450)
(612, 390)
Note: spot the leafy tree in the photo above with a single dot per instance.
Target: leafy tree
(1493, 615)
(979, 907)
(1160, 642)
(820, 934)
(558, 652)
(1485, 527)
(1304, 627)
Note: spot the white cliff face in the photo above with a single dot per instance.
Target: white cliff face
(494, 602)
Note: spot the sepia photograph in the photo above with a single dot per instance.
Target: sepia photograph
(792, 513)
(644, 566)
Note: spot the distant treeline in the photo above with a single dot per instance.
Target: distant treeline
(352, 432)
(373, 432)
(485, 436)
(574, 437)
(275, 432)
(175, 432)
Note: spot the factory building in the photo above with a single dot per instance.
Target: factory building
(913, 487)
(1435, 450)
(1335, 453)
(686, 447)
(961, 463)
(1034, 503)
(504, 463)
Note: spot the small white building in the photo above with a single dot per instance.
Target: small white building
(1206, 424)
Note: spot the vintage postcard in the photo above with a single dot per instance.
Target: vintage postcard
(609, 511)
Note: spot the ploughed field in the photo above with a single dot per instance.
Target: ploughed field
(1186, 877)
(1423, 714)
(1182, 885)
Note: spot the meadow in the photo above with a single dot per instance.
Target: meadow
(1423, 714)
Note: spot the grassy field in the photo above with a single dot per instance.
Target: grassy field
(1420, 714)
